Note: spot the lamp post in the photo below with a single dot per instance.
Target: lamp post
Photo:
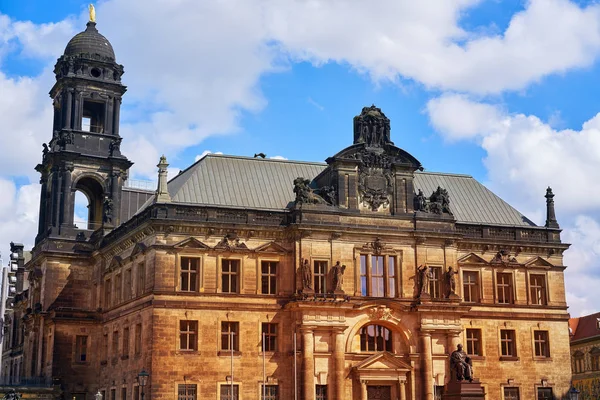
(143, 380)
(98, 396)
(573, 393)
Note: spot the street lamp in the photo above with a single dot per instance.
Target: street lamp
(573, 393)
(98, 396)
(143, 380)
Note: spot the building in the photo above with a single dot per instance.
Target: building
(585, 355)
(341, 279)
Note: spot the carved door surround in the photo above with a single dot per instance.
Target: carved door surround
(382, 374)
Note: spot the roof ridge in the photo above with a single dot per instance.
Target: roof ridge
(263, 159)
(445, 174)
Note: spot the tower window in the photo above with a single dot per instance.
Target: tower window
(95, 72)
(93, 117)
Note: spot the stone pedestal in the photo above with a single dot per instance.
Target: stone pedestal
(464, 390)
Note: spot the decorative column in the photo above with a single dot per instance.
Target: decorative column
(427, 365)
(339, 358)
(550, 215)
(363, 390)
(453, 340)
(402, 390)
(68, 198)
(43, 201)
(308, 363)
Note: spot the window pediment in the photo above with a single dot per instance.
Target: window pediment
(381, 363)
(191, 243)
(272, 248)
(139, 248)
(472, 258)
(538, 262)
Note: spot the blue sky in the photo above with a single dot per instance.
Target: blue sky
(505, 91)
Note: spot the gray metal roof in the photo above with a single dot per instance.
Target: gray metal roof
(268, 184)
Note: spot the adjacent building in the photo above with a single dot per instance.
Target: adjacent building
(585, 355)
(252, 278)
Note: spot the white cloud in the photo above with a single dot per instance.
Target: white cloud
(524, 156)
(205, 153)
(18, 214)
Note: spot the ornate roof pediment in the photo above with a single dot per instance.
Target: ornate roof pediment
(503, 257)
(191, 243)
(271, 247)
(472, 258)
(231, 242)
(382, 361)
(538, 262)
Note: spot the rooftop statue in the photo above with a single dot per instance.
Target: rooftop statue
(92, 13)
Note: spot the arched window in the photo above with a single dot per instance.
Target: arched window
(375, 338)
(93, 196)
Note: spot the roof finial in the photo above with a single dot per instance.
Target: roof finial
(550, 215)
(162, 192)
(92, 13)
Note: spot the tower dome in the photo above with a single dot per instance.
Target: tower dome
(90, 42)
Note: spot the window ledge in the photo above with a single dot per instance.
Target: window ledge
(476, 357)
(542, 359)
(187, 352)
(227, 353)
(509, 358)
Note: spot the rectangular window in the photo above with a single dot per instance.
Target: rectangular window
(127, 285)
(136, 393)
(124, 393)
(229, 276)
(115, 343)
(474, 342)
(579, 363)
(268, 279)
(190, 269)
(141, 281)
(138, 339)
(125, 342)
(391, 274)
(107, 293)
(471, 287)
(81, 348)
(118, 286)
(545, 394)
(270, 336)
(363, 275)
(188, 335)
(229, 329)
(321, 392)
(226, 392)
(540, 341)
(269, 392)
(511, 393)
(595, 360)
(320, 276)
(113, 394)
(504, 286)
(186, 392)
(435, 283)
(377, 276)
(507, 343)
(537, 289)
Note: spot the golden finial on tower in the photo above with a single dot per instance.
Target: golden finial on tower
(92, 13)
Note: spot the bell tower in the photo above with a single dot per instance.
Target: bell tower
(84, 152)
